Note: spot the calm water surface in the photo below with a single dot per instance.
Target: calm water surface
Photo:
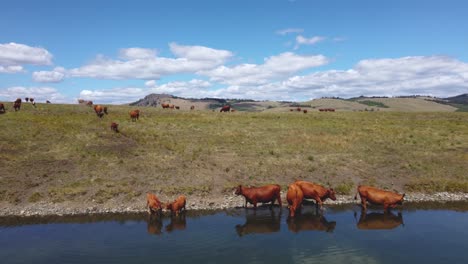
(425, 234)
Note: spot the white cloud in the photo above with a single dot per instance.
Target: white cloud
(114, 96)
(14, 54)
(150, 83)
(289, 30)
(200, 53)
(274, 68)
(301, 40)
(40, 94)
(57, 75)
(137, 53)
(11, 69)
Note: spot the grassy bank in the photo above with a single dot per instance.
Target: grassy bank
(66, 153)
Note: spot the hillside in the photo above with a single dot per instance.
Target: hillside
(65, 153)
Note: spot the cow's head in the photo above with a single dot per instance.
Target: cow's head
(401, 200)
(332, 194)
(238, 190)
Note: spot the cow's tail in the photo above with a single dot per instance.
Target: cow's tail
(278, 196)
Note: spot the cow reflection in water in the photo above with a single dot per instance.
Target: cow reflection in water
(260, 222)
(310, 222)
(178, 222)
(377, 221)
(155, 225)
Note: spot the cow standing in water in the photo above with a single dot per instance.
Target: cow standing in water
(316, 192)
(377, 196)
(294, 197)
(226, 108)
(264, 194)
(153, 204)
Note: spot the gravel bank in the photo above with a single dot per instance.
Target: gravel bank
(193, 203)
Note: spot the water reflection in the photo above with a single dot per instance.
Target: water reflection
(310, 222)
(377, 221)
(178, 222)
(260, 222)
(154, 225)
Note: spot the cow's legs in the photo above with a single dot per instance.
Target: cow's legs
(363, 203)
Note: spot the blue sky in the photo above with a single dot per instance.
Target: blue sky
(118, 52)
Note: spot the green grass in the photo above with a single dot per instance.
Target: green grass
(373, 103)
(64, 152)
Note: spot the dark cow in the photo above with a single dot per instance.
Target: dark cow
(379, 221)
(377, 196)
(2, 108)
(177, 205)
(114, 127)
(291, 110)
(264, 194)
(99, 110)
(226, 108)
(177, 107)
(31, 100)
(17, 104)
(26, 99)
(177, 223)
(264, 223)
(305, 111)
(165, 106)
(192, 107)
(154, 225)
(310, 222)
(153, 204)
(135, 115)
(298, 109)
(294, 198)
(89, 103)
(48, 102)
(316, 192)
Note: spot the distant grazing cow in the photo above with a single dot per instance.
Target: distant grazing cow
(305, 111)
(135, 115)
(47, 102)
(294, 197)
(2, 108)
(225, 108)
(153, 204)
(377, 196)
(265, 223)
(310, 222)
(192, 107)
(171, 106)
(379, 221)
(81, 101)
(177, 107)
(89, 103)
(26, 99)
(17, 104)
(165, 106)
(233, 110)
(177, 205)
(264, 194)
(291, 110)
(100, 110)
(31, 100)
(298, 109)
(114, 127)
(316, 192)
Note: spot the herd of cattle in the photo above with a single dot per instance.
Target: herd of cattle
(297, 193)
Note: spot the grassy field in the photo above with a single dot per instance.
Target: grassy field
(66, 153)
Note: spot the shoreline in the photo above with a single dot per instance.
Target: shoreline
(193, 203)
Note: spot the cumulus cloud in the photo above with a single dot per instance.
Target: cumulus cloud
(137, 53)
(40, 94)
(115, 95)
(301, 40)
(14, 54)
(273, 68)
(11, 69)
(200, 53)
(57, 75)
(289, 31)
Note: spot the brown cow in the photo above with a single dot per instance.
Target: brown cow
(17, 104)
(2, 108)
(89, 103)
(264, 194)
(265, 223)
(192, 107)
(291, 110)
(305, 111)
(310, 222)
(114, 127)
(378, 221)
(225, 108)
(233, 110)
(171, 106)
(135, 115)
(316, 192)
(153, 204)
(294, 197)
(298, 109)
(177, 107)
(378, 196)
(177, 205)
(99, 109)
(165, 106)
(177, 223)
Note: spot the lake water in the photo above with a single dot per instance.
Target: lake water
(427, 233)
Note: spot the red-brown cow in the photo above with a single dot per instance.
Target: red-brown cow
(153, 204)
(135, 115)
(2, 108)
(192, 107)
(298, 109)
(305, 111)
(177, 205)
(291, 110)
(316, 192)
(377, 196)
(165, 106)
(114, 127)
(264, 194)
(89, 103)
(226, 108)
(99, 109)
(294, 197)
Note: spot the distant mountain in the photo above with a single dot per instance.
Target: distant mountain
(151, 100)
(459, 99)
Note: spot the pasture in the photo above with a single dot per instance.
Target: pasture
(65, 153)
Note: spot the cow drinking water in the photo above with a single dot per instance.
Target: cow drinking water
(264, 194)
(377, 196)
